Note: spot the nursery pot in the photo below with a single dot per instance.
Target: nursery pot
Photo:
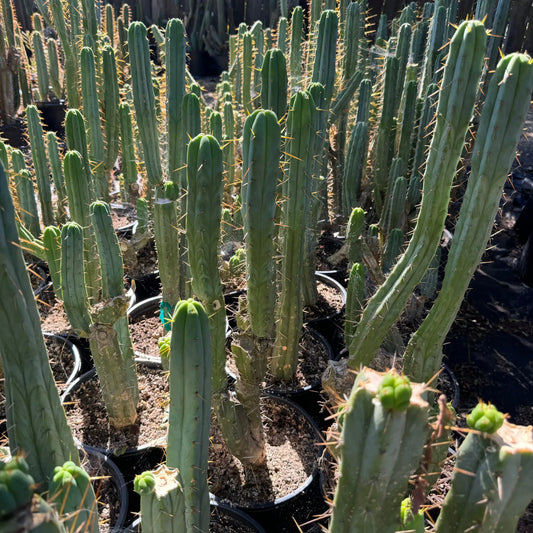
(68, 366)
(151, 365)
(228, 519)
(308, 499)
(109, 486)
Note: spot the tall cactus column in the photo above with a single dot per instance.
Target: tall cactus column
(455, 108)
(296, 189)
(190, 408)
(506, 105)
(36, 422)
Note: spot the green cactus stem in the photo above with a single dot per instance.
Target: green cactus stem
(162, 501)
(144, 100)
(456, 103)
(274, 82)
(204, 176)
(354, 300)
(36, 422)
(380, 446)
(52, 247)
(295, 191)
(129, 186)
(72, 493)
(190, 408)
(26, 198)
(504, 111)
(58, 178)
(491, 485)
(43, 80)
(40, 164)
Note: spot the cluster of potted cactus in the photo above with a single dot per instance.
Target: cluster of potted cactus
(310, 130)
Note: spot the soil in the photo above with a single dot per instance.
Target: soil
(87, 416)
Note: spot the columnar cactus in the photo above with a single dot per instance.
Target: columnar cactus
(190, 408)
(459, 86)
(32, 402)
(162, 501)
(295, 191)
(491, 485)
(129, 186)
(274, 82)
(506, 105)
(40, 163)
(383, 429)
(204, 176)
(52, 247)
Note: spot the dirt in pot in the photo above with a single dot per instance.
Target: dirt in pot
(291, 440)
(88, 418)
(145, 333)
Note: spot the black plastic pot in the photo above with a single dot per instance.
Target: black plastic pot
(41, 273)
(72, 352)
(222, 512)
(303, 504)
(102, 468)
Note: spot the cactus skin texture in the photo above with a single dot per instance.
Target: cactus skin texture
(162, 501)
(378, 449)
(506, 105)
(32, 401)
(72, 493)
(491, 485)
(459, 86)
(190, 408)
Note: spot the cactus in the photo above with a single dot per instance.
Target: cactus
(204, 177)
(162, 501)
(175, 76)
(247, 66)
(506, 105)
(52, 247)
(129, 187)
(58, 178)
(43, 80)
(491, 484)
(32, 402)
(91, 113)
(72, 493)
(354, 300)
(144, 100)
(109, 338)
(324, 65)
(110, 105)
(190, 408)
(274, 82)
(72, 278)
(295, 62)
(26, 199)
(79, 195)
(383, 427)
(261, 154)
(455, 109)
(38, 152)
(295, 193)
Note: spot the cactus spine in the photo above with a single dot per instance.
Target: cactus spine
(190, 408)
(32, 402)
(504, 111)
(455, 109)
